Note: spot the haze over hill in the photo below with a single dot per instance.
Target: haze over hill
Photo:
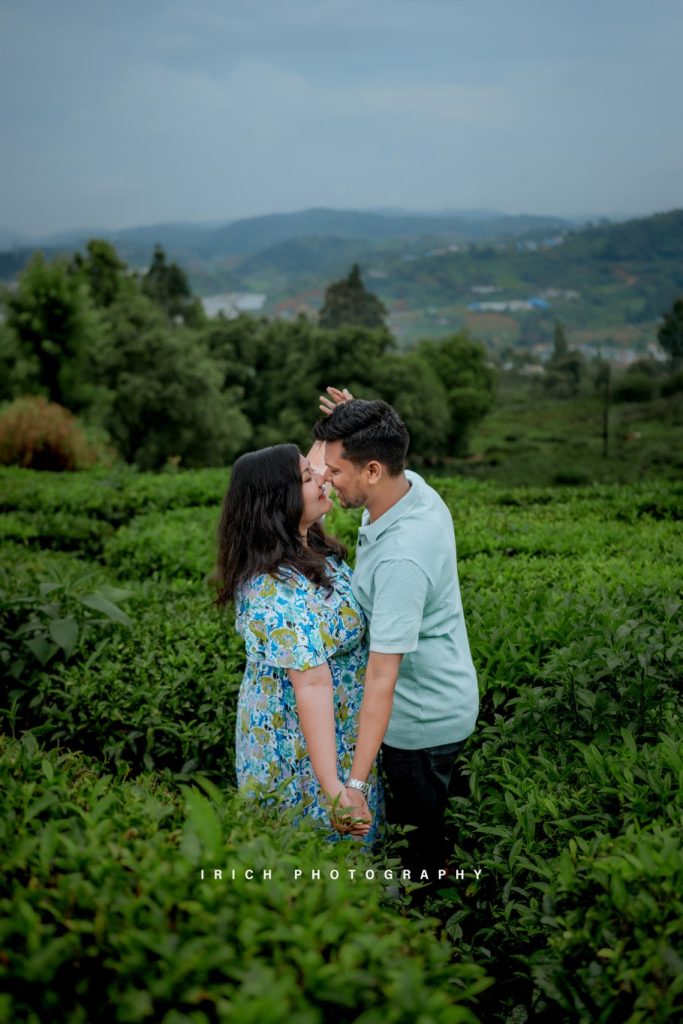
(249, 235)
(505, 278)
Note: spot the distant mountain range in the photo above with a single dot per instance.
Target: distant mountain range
(506, 278)
(246, 237)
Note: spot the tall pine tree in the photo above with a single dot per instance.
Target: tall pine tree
(348, 302)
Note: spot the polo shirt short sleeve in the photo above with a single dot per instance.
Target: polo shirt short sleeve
(399, 596)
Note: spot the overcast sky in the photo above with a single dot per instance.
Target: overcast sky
(131, 112)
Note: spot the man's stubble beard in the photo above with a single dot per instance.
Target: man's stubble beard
(357, 502)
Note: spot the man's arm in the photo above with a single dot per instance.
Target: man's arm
(378, 698)
(398, 605)
(316, 456)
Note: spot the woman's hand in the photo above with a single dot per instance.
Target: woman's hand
(337, 397)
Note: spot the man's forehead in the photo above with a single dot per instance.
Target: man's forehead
(334, 457)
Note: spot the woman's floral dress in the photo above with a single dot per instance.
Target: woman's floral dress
(292, 623)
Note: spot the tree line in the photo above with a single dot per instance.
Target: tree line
(134, 354)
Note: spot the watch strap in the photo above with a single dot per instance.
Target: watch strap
(364, 787)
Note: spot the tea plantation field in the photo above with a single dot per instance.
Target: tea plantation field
(117, 777)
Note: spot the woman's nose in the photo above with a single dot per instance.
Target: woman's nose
(324, 477)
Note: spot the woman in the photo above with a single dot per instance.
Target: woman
(304, 634)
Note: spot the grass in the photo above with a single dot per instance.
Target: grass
(530, 439)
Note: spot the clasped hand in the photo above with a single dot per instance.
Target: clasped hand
(349, 811)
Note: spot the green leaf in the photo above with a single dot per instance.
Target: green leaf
(203, 820)
(47, 588)
(101, 604)
(115, 594)
(51, 610)
(39, 805)
(42, 648)
(629, 740)
(64, 632)
(209, 788)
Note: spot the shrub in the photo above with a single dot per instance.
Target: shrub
(177, 542)
(61, 531)
(571, 478)
(114, 496)
(673, 384)
(614, 911)
(634, 387)
(161, 693)
(104, 914)
(572, 601)
(526, 814)
(38, 434)
(50, 624)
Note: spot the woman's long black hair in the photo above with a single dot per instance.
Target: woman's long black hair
(258, 530)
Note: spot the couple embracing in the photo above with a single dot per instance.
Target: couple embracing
(359, 689)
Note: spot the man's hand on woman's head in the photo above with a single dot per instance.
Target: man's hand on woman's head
(337, 397)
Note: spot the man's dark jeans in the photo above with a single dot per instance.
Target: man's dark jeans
(418, 784)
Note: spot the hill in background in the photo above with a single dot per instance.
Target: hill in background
(507, 279)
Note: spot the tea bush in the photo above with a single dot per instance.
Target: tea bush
(64, 531)
(524, 812)
(573, 605)
(175, 543)
(53, 619)
(104, 914)
(614, 907)
(160, 692)
(115, 495)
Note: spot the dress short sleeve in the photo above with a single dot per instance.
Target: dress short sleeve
(278, 624)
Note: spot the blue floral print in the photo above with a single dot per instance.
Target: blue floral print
(292, 623)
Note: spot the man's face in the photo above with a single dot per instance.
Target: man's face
(348, 480)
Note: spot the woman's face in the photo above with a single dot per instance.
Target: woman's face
(314, 500)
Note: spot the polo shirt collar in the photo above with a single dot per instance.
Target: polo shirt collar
(370, 532)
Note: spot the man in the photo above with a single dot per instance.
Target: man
(421, 698)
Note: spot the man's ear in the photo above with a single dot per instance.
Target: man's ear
(374, 471)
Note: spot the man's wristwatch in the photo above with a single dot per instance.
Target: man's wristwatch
(364, 787)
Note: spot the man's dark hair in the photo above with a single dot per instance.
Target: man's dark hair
(258, 530)
(368, 430)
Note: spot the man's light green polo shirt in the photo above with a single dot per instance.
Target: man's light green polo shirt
(406, 580)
